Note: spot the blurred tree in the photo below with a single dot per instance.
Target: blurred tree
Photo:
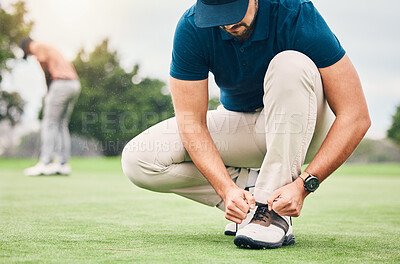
(13, 28)
(394, 132)
(11, 107)
(213, 103)
(115, 105)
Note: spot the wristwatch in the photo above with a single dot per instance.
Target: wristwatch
(311, 182)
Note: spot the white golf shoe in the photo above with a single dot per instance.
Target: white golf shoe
(63, 169)
(41, 169)
(267, 229)
(232, 228)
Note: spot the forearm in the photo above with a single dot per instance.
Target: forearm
(191, 117)
(201, 148)
(343, 137)
(343, 91)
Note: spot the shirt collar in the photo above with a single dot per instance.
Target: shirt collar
(261, 29)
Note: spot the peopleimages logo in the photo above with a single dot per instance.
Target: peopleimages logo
(176, 146)
(108, 146)
(125, 122)
(227, 123)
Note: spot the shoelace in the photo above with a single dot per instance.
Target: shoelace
(262, 213)
(269, 217)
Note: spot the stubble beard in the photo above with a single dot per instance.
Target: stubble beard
(249, 28)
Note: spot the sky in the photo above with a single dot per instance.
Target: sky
(142, 33)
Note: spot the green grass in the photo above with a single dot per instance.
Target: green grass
(97, 216)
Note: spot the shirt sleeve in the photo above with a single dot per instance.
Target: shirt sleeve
(188, 60)
(313, 37)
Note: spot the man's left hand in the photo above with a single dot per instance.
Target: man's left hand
(288, 200)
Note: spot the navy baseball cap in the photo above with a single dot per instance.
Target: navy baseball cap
(24, 45)
(212, 13)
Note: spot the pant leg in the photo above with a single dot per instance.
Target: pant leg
(55, 110)
(157, 160)
(72, 87)
(52, 112)
(295, 114)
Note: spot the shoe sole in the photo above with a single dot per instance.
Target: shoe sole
(48, 174)
(41, 174)
(230, 233)
(246, 242)
(62, 173)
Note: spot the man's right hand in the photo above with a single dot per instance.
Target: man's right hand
(237, 204)
(190, 100)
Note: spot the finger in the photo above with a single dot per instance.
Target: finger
(250, 200)
(242, 204)
(285, 212)
(274, 196)
(232, 209)
(281, 206)
(233, 218)
(290, 210)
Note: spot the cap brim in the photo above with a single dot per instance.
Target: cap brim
(220, 15)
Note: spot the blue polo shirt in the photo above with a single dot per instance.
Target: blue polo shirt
(240, 67)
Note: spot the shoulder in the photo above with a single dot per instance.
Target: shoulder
(40, 50)
(187, 19)
(37, 46)
(190, 12)
(187, 30)
(186, 22)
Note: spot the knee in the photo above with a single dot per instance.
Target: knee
(290, 67)
(129, 161)
(292, 62)
(135, 164)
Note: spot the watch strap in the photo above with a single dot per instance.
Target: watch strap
(304, 175)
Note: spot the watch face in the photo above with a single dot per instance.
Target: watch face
(311, 183)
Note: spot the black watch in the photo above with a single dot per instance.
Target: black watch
(311, 183)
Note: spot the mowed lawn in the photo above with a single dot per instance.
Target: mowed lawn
(96, 215)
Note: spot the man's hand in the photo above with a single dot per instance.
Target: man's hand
(237, 204)
(288, 200)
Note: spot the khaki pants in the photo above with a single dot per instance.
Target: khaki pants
(278, 139)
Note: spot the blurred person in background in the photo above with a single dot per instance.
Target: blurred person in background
(63, 88)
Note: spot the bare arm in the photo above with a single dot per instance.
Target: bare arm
(190, 100)
(346, 98)
(344, 94)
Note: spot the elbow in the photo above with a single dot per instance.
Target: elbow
(364, 122)
(190, 124)
(368, 124)
(358, 122)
